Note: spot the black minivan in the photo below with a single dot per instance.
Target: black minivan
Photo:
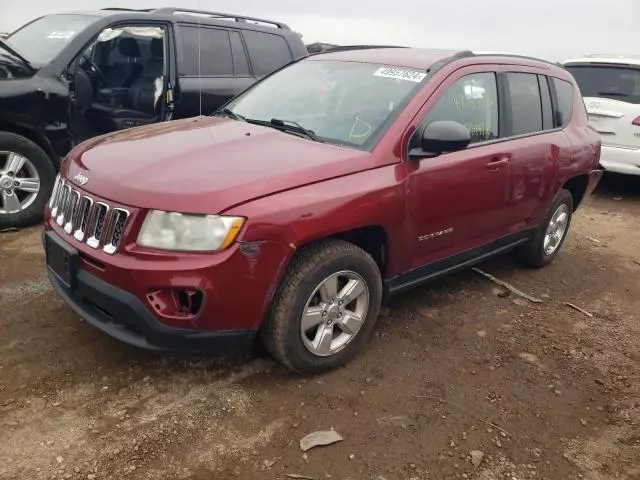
(66, 78)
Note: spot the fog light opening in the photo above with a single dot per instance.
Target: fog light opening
(189, 301)
(176, 303)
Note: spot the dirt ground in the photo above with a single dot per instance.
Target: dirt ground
(541, 389)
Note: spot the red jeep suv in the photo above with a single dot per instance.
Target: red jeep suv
(295, 210)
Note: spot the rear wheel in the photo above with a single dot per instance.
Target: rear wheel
(549, 238)
(26, 178)
(325, 308)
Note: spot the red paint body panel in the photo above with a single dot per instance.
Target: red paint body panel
(205, 164)
(293, 191)
(226, 307)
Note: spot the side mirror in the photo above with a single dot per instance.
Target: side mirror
(441, 137)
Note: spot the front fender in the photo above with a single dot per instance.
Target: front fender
(300, 216)
(38, 108)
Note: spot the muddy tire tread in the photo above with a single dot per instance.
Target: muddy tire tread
(274, 331)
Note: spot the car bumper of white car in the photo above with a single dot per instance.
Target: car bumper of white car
(620, 160)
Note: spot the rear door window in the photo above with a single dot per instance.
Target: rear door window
(205, 52)
(240, 62)
(615, 82)
(564, 93)
(268, 52)
(526, 103)
(471, 101)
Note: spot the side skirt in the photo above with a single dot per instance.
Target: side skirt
(455, 263)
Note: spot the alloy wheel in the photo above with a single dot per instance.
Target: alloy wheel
(19, 183)
(334, 313)
(556, 229)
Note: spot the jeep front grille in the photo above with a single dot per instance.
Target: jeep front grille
(87, 219)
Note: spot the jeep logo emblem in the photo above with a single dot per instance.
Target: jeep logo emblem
(81, 179)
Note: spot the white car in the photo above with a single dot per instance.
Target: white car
(610, 86)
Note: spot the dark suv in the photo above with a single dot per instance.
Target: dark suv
(69, 77)
(337, 181)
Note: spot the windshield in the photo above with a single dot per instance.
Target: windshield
(619, 83)
(12, 67)
(345, 103)
(40, 41)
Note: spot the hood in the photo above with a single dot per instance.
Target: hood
(204, 164)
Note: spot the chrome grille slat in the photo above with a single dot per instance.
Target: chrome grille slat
(71, 211)
(55, 197)
(62, 204)
(54, 192)
(82, 220)
(100, 211)
(56, 201)
(115, 230)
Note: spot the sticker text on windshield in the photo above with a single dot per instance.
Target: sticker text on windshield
(62, 35)
(400, 74)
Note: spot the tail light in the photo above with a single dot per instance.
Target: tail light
(636, 122)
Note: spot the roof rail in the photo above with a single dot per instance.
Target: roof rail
(219, 16)
(469, 53)
(445, 61)
(515, 55)
(121, 9)
(342, 48)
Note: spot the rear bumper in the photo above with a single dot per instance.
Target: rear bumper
(620, 160)
(124, 317)
(594, 179)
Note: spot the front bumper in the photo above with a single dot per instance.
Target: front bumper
(620, 160)
(124, 316)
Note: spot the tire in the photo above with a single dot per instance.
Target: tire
(534, 253)
(37, 160)
(282, 331)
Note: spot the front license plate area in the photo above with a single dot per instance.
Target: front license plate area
(62, 259)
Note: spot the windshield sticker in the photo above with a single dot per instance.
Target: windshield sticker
(62, 35)
(400, 74)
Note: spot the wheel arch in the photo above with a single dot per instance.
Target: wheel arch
(32, 135)
(373, 239)
(577, 186)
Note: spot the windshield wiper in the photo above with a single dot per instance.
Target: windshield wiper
(286, 126)
(13, 51)
(229, 113)
(294, 127)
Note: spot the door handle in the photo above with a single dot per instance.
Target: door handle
(497, 163)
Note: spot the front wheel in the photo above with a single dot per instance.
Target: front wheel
(325, 309)
(26, 179)
(549, 238)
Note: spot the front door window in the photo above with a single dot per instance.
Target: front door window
(120, 79)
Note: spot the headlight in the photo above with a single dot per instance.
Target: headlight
(181, 231)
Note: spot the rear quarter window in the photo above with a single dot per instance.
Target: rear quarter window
(267, 52)
(547, 106)
(564, 93)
